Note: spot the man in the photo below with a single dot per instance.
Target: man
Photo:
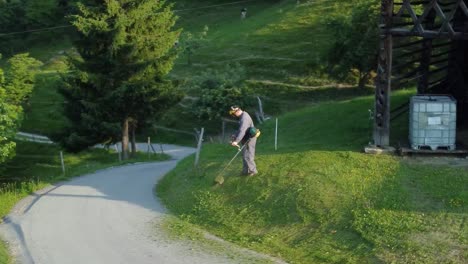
(243, 136)
(243, 13)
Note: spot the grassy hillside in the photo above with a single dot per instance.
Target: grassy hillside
(284, 36)
(318, 199)
(279, 45)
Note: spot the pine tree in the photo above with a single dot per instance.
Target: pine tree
(126, 48)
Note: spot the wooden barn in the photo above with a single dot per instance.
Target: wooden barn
(422, 43)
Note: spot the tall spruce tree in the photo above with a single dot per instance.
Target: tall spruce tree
(126, 47)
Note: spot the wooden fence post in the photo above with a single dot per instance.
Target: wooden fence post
(62, 162)
(260, 109)
(276, 135)
(148, 147)
(224, 131)
(200, 139)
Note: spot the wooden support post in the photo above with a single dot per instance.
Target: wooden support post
(423, 83)
(224, 131)
(383, 80)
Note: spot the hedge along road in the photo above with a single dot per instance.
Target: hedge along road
(109, 216)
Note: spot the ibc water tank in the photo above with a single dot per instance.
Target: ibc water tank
(433, 121)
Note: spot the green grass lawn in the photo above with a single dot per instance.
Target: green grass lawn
(318, 199)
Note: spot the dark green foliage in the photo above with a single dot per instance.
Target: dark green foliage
(12, 19)
(220, 89)
(23, 23)
(15, 86)
(189, 43)
(9, 116)
(19, 77)
(125, 50)
(43, 13)
(355, 44)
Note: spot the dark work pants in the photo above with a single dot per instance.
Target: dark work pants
(248, 157)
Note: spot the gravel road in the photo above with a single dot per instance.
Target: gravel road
(105, 217)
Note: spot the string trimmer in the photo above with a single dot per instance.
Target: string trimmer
(220, 179)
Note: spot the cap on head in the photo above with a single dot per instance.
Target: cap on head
(233, 110)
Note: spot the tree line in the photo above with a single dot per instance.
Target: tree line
(124, 50)
(117, 76)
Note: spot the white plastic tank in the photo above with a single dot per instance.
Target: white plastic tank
(433, 122)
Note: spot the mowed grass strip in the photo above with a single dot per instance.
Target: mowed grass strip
(318, 199)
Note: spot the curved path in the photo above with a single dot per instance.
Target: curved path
(110, 216)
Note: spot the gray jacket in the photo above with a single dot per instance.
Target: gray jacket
(245, 122)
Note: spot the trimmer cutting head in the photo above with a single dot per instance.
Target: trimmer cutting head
(220, 179)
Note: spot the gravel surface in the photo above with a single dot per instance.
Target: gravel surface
(105, 217)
